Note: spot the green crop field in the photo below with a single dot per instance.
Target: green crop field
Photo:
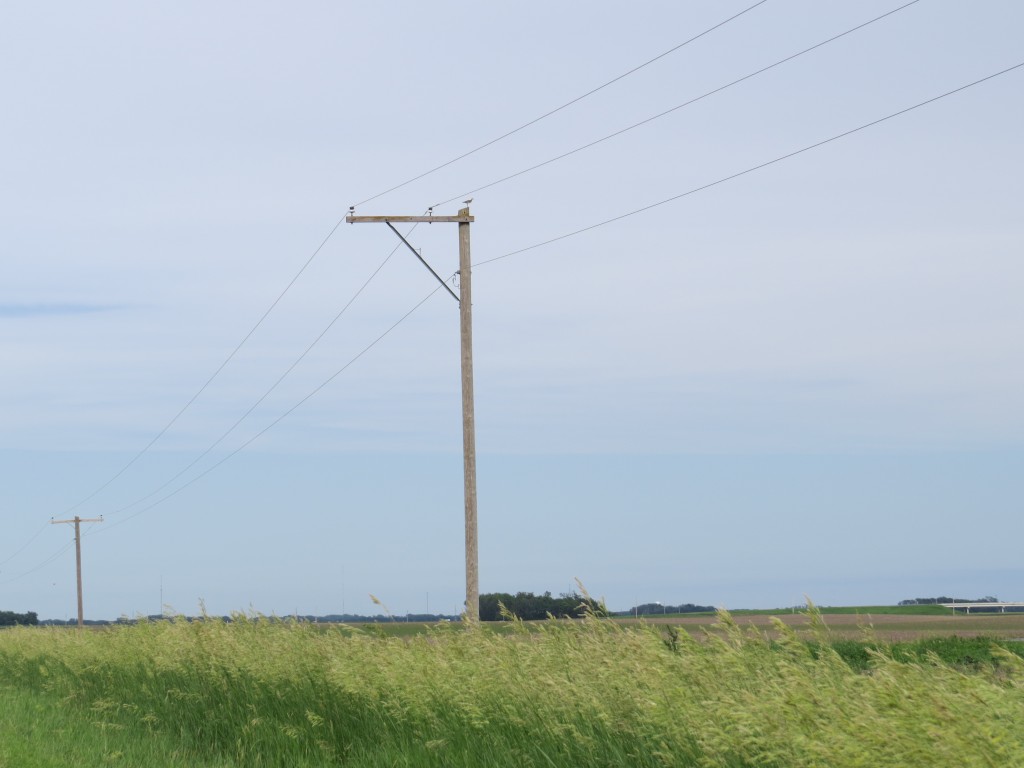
(258, 692)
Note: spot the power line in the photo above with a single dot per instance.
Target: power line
(49, 559)
(249, 411)
(25, 545)
(752, 169)
(564, 106)
(280, 418)
(519, 173)
(41, 565)
(145, 449)
(209, 381)
(673, 109)
(572, 234)
(268, 392)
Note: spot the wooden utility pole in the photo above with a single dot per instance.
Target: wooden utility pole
(468, 420)
(78, 556)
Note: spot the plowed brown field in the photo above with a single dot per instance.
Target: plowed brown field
(885, 627)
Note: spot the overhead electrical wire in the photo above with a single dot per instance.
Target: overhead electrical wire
(595, 226)
(25, 545)
(272, 387)
(203, 388)
(673, 109)
(587, 229)
(563, 106)
(507, 255)
(303, 268)
(39, 566)
(273, 305)
(751, 169)
(276, 421)
(209, 381)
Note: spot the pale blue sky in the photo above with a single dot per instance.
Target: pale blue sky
(802, 381)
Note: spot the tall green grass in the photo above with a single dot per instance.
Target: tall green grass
(257, 692)
(966, 653)
(36, 731)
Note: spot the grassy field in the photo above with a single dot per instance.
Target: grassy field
(255, 692)
(37, 730)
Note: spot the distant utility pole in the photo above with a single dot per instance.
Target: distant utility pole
(468, 422)
(78, 556)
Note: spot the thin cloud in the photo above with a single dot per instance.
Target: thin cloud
(49, 310)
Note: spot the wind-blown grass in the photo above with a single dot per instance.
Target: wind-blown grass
(258, 692)
(967, 653)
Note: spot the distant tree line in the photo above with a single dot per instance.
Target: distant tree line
(940, 600)
(10, 618)
(358, 618)
(654, 609)
(528, 606)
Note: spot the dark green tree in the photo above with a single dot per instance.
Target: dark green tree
(10, 618)
(528, 606)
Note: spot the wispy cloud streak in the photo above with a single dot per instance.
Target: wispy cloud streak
(49, 310)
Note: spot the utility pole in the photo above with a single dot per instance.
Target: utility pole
(463, 219)
(78, 556)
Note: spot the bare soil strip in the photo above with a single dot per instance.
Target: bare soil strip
(885, 627)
